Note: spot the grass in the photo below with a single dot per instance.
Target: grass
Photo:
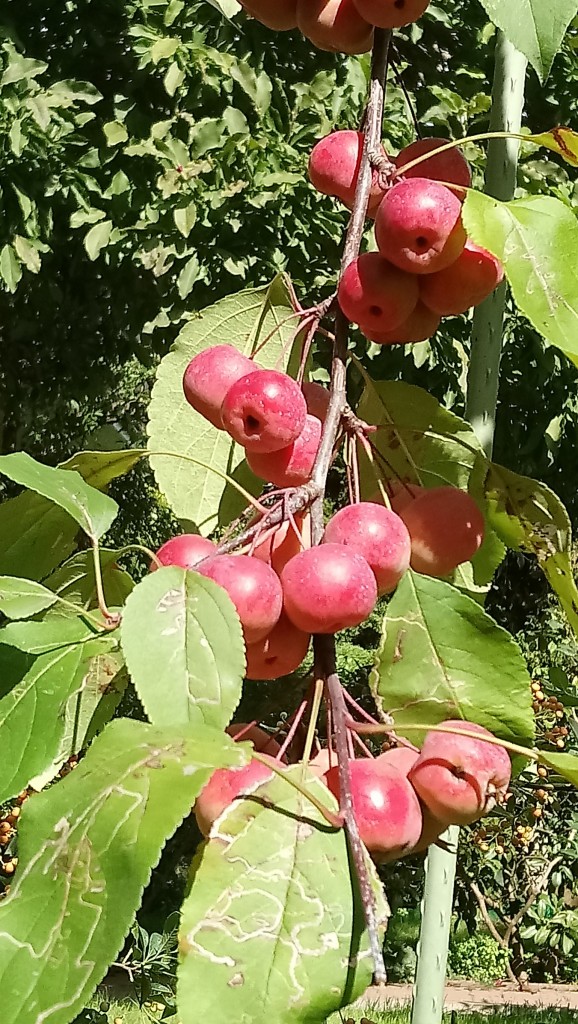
(127, 1012)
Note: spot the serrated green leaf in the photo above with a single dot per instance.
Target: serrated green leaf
(244, 319)
(184, 649)
(47, 635)
(20, 68)
(35, 536)
(565, 765)
(273, 929)
(185, 218)
(32, 717)
(99, 468)
(164, 48)
(537, 241)
(535, 27)
(97, 238)
(20, 598)
(115, 132)
(75, 582)
(93, 511)
(442, 656)
(87, 847)
(10, 268)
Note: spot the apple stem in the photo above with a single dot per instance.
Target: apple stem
(370, 730)
(335, 820)
(293, 729)
(312, 725)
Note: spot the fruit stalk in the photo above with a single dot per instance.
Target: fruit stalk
(324, 646)
(501, 176)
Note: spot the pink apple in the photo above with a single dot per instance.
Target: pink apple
(334, 25)
(450, 166)
(387, 810)
(377, 534)
(293, 465)
(253, 588)
(280, 544)
(418, 226)
(402, 758)
(446, 528)
(279, 15)
(317, 399)
(467, 282)
(374, 293)
(419, 326)
(187, 550)
(224, 786)
(334, 169)
(391, 13)
(460, 778)
(264, 411)
(279, 654)
(209, 376)
(328, 588)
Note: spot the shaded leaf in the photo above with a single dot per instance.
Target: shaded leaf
(99, 468)
(35, 536)
(47, 635)
(565, 765)
(75, 582)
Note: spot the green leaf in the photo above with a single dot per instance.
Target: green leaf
(226, 7)
(183, 645)
(243, 320)
(99, 468)
(528, 516)
(10, 268)
(442, 656)
(565, 765)
(93, 511)
(273, 929)
(47, 635)
(535, 27)
(20, 68)
(537, 241)
(185, 218)
(32, 717)
(97, 238)
(164, 48)
(188, 275)
(35, 536)
(75, 582)
(174, 78)
(19, 599)
(115, 133)
(87, 847)
(27, 253)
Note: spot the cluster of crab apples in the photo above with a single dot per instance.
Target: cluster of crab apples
(285, 589)
(343, 26)
(425, 266)
(403, 799)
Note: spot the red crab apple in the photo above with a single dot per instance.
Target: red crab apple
(386, 808)
(261, 740)
(376, 294)
(467, 282)
(334, 168)
(419, 326)
(280, 544)
(449, 166)
(291, 466)
(186, 551)
(264, 411)
(446, 528)
(279, 653)
(209, 376)
(316, 398)
(377, 534)
(253, 588)
(328, 588)
(418, 226)
(391, 13)
(322, 762)
(402, 758)
(279, 15)
(402, 494)
(460, 777)
(334, 25)
(224, 786)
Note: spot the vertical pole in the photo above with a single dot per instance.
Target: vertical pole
(481, 401)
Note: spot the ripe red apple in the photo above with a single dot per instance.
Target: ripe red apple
(280, 544)
(328, 588)
(224, 786)
(279, 15)
(460, 778)
(279, 654)
(253, 588)
(209, 376)
(317, 399)
(419, 326)
(261, 740)
(377, 534)
(418, 226)
(334, 25)
(387, 810)
(293, 465)
(391, 13)
(264, 411)
(334, 169)
(467, 282)
(186, 551)
(402, 494)
(446, 528)
(402, 758)
(322, 762)
(374, 293)
(450, 166)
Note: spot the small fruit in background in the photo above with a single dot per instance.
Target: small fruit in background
(418, 226)
(280, 544)
(187, 550)
(316, 398)
(224, 786)
(374, 293)
(279, 654)
(467, 282)
(446, 528)
(328, 588)
(334, 25)
(264, 411)
(449, 166)
(253, 588)
(209, 376)
(293, 465)
(420, 325)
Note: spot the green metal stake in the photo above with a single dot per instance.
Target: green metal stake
(481, 401)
